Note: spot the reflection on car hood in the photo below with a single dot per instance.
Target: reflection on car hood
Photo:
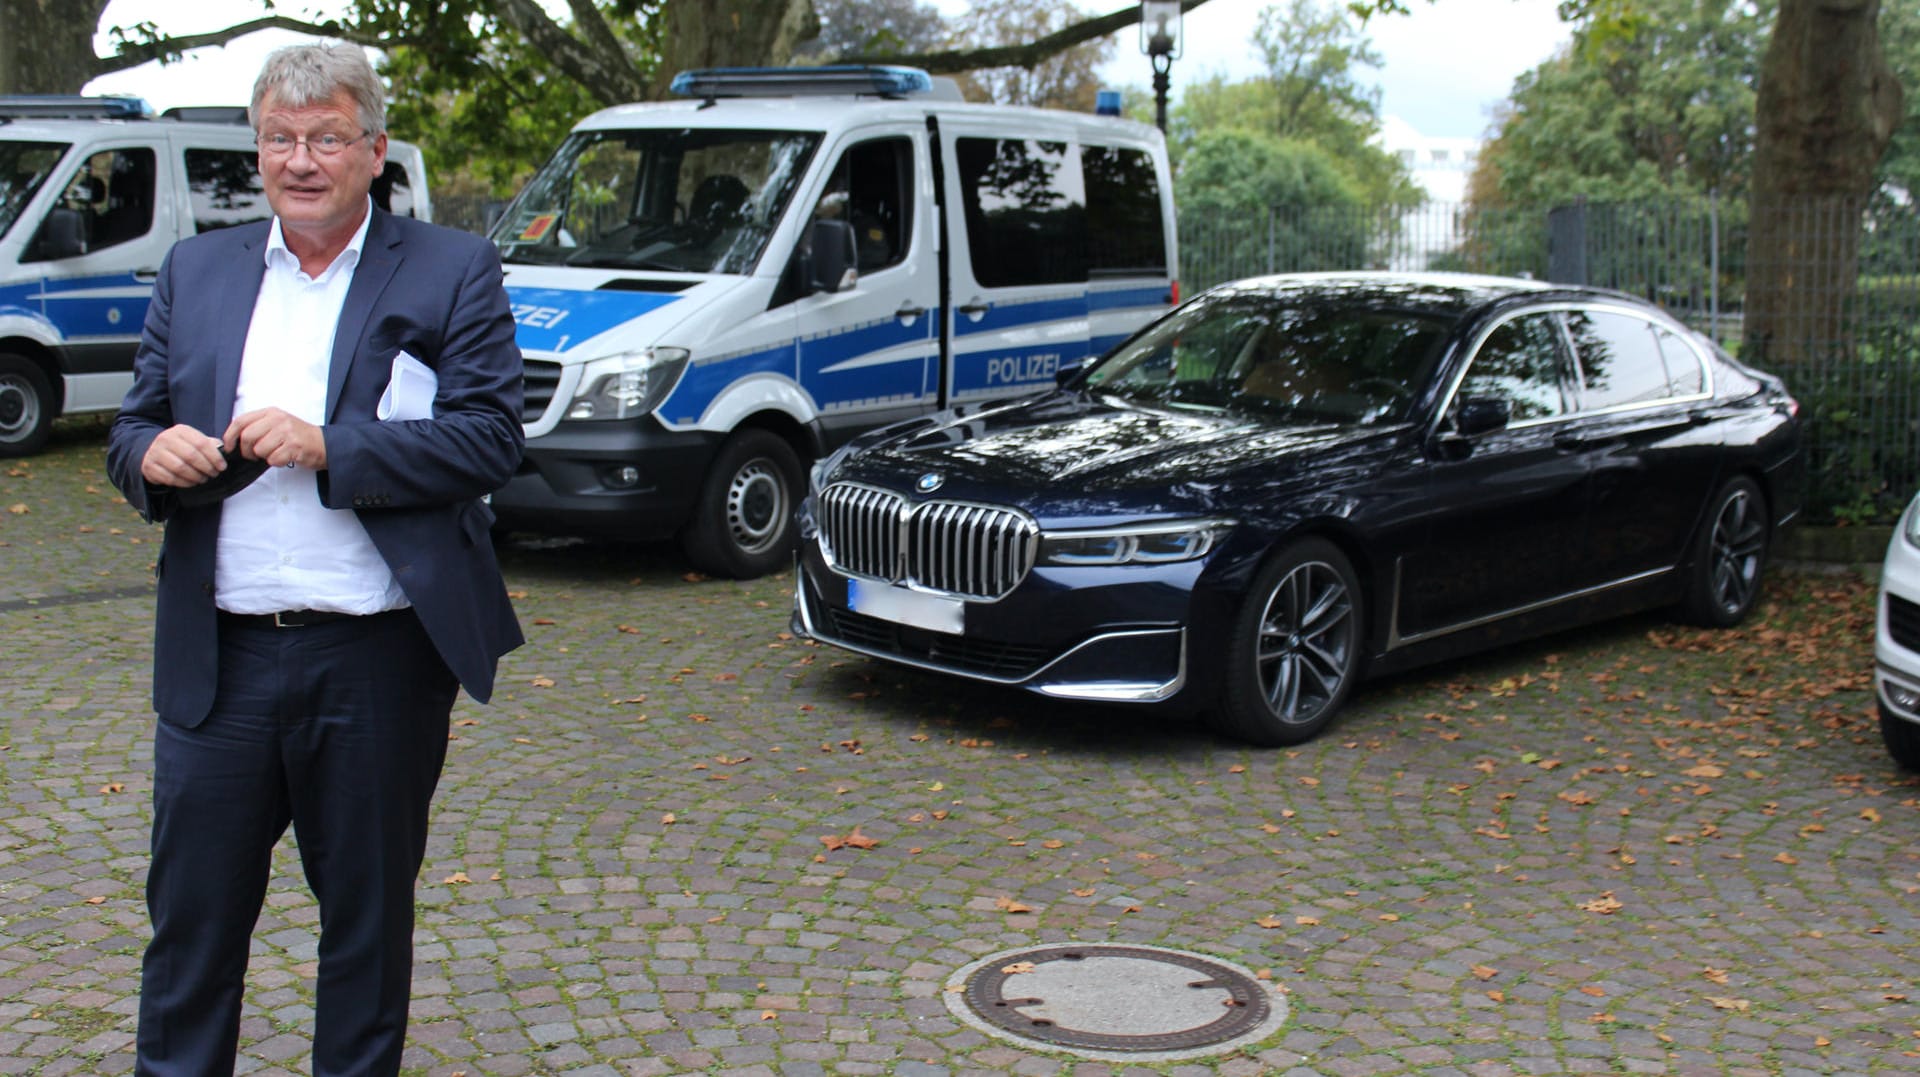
(1081, 442)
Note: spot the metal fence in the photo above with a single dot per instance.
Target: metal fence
(1848, 347)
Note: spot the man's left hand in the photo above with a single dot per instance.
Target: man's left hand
(277, 437)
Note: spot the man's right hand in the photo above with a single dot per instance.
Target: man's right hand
(182, 456)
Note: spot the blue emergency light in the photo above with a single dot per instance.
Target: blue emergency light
(829, 81)
(35, 106)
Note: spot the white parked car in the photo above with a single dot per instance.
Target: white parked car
(1896, 643)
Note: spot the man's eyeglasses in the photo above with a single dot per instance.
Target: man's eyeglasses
(326, 145)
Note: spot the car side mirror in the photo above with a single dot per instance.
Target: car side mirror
(828, 265)
(1479, 414)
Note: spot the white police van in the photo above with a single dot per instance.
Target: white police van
(93, 191)
(712, 292)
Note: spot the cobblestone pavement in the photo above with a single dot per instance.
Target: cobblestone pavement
(1631, 849)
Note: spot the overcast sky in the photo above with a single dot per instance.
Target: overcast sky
(1445, 67)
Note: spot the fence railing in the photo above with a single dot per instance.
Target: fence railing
(1848, 343)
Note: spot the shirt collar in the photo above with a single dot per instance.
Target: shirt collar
(277, 252)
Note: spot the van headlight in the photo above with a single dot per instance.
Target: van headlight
(629, 384)
(1161, 543)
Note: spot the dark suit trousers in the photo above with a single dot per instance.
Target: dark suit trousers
(340, 729)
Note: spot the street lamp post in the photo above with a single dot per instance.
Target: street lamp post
(1161, 41)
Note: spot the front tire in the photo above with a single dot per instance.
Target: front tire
(1294, 653)
(1724, 585)
(27, 406)
(1902, 739)
(743, 523)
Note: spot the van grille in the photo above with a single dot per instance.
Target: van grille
(542, 378)
(974, 551)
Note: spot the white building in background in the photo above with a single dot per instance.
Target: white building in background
(1439, 165)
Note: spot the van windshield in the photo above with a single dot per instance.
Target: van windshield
(689, 200)
(24, 168)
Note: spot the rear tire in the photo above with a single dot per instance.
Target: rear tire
(1728, 557)
(27, 406)
(743, 523)
(1294, 653)
(1902, 739)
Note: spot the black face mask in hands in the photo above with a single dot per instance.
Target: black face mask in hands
(240, 473)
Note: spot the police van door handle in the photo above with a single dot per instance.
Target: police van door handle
(909, 312)
(146, 276)
(977, 309)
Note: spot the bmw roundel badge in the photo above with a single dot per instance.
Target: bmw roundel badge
(930, 482)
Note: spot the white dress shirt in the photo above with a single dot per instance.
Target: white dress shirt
(279, 547)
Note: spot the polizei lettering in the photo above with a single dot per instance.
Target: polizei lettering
(1016, 369)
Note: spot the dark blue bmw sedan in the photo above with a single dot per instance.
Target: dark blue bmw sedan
(1290, 482)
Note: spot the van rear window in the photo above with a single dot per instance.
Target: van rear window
(1039, 213)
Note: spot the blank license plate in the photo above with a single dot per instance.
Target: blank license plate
(936, 613)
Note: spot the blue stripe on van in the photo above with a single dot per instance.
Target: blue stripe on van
(551, 319)
(703, 382)
(1004, 316)
(1154, 296)
(831, 371)
(67, 306)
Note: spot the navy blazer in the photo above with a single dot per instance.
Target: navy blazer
(416, 485)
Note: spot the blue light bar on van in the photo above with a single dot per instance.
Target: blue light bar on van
(37, 106)
(833, 80)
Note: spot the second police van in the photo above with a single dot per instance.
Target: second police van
(712, 292)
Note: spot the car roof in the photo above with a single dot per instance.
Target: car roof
(1448, 293)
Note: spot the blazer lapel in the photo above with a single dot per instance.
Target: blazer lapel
(380, 256)
(242, 290)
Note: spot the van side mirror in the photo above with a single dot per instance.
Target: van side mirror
(62, 235)
(1479, 414)
(828, 265)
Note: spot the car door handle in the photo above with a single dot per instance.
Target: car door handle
(146, 276)
(977, 309)
(908, 312)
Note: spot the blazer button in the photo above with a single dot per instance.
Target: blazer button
(207, 587)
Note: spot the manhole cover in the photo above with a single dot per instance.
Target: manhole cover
(1132, 1003)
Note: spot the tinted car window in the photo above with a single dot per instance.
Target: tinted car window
(1620, 364)
(1025, 211)
(1125, 234)
(1267, 356)
(1684, 375)
(1523, 363)
(225, 190)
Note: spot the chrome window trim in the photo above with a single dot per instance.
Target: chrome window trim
(1651, 318)
(1395, 640)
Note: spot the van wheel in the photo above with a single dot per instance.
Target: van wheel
(743, 525)
(1295, 650)
(26, 406)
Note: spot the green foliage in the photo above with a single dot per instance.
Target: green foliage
(1657, 105)
(1314, 216)
(485, 105)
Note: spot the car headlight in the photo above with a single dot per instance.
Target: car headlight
(1177, 540)
(626, 385)
(1910, 524)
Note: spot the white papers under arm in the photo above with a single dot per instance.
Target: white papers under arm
(410, 391)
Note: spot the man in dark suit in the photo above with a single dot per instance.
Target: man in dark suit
(313, 627)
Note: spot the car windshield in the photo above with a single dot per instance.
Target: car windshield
(682, 200)
(1300, 359)
(24, 168)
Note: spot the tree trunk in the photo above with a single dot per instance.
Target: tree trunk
(1827, 106)
(729, 33)
(46, 46)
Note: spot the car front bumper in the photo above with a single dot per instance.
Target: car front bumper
(1122, 638)
(626, 479)
(1896, 637)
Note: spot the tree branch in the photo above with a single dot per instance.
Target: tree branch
(134, 53)
(611, 78)
(953, 61)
